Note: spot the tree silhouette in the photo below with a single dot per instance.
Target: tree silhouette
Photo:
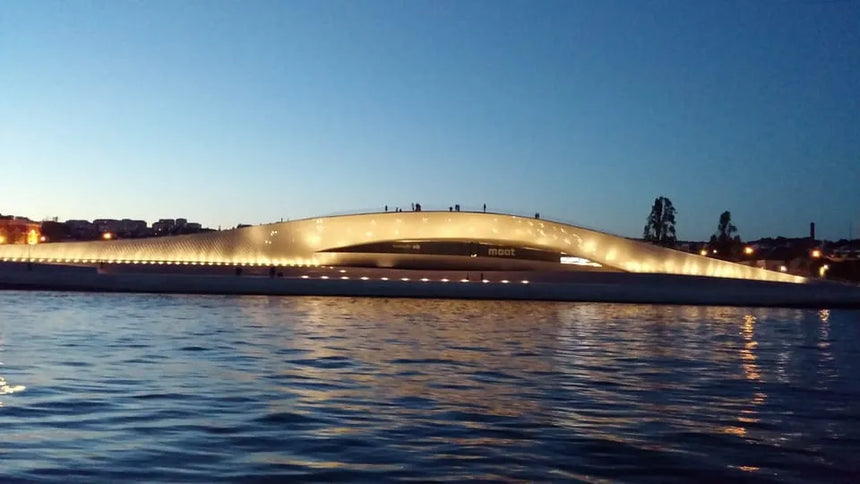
(726, 240)
(660, 228)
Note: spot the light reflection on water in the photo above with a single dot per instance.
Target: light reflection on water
(194, 388)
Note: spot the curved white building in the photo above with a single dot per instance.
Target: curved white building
(404, 240)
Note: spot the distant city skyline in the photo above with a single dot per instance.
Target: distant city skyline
(228, 113)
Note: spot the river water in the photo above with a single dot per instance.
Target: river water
(119, 387)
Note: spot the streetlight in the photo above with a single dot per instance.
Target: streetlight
(703, 252)
(816, 254)
(107, 235)
(748, 250)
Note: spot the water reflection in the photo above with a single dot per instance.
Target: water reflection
(407, 350)
(7, 389)
(748, 358)
(382, 389)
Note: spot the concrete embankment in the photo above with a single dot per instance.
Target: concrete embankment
(606, 287)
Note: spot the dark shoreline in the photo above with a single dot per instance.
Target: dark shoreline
(574, 287)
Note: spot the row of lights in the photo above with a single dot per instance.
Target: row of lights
(160, 262)
(423, 279)
(195, 263)
(815, 253)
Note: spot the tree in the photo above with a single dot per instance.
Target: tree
(660, 228)
(726, 240)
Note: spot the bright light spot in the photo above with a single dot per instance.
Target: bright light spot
(816, 253)
(2, 239)
(444, 279)
(424, 279)
(304, 277)
(823, 270)
(342, 271)
(578, 261)
(703, 252)
(505, 281)
(714, 251)
(404, 278)
(323, 277)
(783, 268)
(345, 277)
(748, 250)
(485, 281)
(464, 280)
(107, 236)
(524, 281)
(364, 278)
(42, 238)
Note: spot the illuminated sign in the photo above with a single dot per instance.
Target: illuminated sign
(498, 252)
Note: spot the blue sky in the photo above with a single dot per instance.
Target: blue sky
(230, 112)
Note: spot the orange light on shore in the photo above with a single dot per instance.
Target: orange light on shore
(32, 237)
(2, 239)
(703, 252)
(816, 254)
(107, 236)
(748, 250)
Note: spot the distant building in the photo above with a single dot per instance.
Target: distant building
(164, 226)
(15, 230)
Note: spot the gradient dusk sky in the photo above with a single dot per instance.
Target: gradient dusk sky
(228, 112)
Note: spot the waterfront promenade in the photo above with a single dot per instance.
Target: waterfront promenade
(374, 282)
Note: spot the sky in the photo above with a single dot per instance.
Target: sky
(228, 112)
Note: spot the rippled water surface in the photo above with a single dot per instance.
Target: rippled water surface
(104, 387)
